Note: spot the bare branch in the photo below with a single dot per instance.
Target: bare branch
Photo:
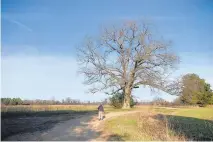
(127, 56)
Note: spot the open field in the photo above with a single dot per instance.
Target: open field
(35, 108)
(30, 118)
(150, 123)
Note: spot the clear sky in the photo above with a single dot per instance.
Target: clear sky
(39, 38)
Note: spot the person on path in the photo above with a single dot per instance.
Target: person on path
(100, 112)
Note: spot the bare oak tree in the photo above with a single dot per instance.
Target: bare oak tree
(126, 57)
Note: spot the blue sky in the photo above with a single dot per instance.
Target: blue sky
(39, 38)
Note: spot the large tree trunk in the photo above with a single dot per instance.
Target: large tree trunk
(127, 96)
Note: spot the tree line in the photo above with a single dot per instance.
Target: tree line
(66, 101)
(194, 91)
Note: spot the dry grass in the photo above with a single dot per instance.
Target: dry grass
(154, 128)
(34, 108)
(44, 110)
(48, 110)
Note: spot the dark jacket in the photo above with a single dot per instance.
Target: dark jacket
(100, 108)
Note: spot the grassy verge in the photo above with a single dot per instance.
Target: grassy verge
(202, 113)
(163, 124)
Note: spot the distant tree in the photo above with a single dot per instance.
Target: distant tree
(126, 57)
(53, 100)
(6, 101)
(11, 101)
(178, 101)
(158, 101)
(19, 101)
(57, 102)
(27, 102)
(205, 95)
(191, 83)
(63, 101)
(195, 90)
(211, 100)
(68, 100)
(104, 101)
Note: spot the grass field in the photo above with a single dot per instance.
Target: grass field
(163, 124)
(46, 110)
(34, 108)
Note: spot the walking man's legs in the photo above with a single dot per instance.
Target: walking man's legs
(100, 115)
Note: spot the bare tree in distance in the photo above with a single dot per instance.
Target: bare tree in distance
(126, 57)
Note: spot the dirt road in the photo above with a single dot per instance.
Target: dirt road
(84, 128)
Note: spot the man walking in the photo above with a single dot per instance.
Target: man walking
(100, 112)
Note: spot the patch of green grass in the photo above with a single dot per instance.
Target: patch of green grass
(203, 113)
(124, 127)
(170, 124)
(164, 110)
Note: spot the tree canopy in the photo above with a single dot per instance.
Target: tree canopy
(195, 90)
(125, 57)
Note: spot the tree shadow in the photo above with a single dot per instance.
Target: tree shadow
(191, 128)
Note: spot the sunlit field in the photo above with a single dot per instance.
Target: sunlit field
(32, 108)
(168, 124)
(48, 108)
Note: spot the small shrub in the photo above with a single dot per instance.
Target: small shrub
(117, 101)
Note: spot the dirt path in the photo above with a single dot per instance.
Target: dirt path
(85, 128)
